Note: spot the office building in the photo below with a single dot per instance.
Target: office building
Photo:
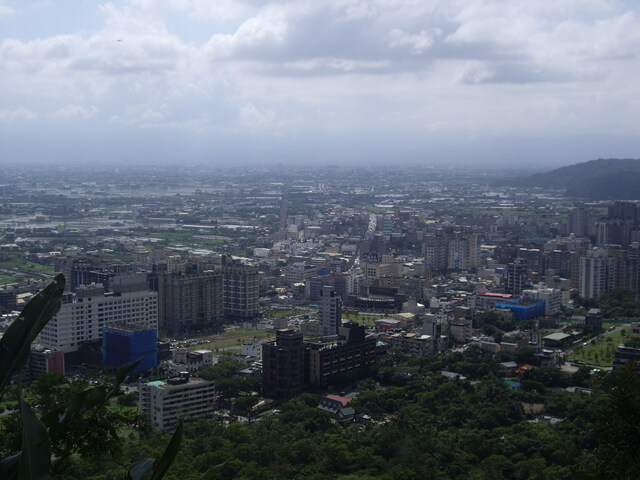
(164, 403)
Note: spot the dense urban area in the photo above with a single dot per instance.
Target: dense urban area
(326, 322)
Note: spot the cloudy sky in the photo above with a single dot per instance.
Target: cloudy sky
(543, 82)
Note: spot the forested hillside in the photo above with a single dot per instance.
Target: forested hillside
(603, 179)
(423, 426)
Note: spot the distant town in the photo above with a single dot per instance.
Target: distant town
(238, 289)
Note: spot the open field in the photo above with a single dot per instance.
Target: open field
(365, 319)
(600, 351)
(230, 339)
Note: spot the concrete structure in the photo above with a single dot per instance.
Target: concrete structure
(413, 343)
(283, 365)
(597, 273)
(44, 360)
(8, 299)
(460, 330)
(163, 403)
(83, 315)
(624, 354)
(330, 312)
(523, 309)
(593, 319)
(515, 276)
(552, 298)
(123, 344)
(340, 363)
(241, 289)
(462, 251)
(557, 340)
(189, 300)
(192, 361)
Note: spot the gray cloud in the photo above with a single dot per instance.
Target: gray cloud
(290, 70)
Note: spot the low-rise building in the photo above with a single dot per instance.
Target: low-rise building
(624, 354)
(192, 361)
(413, 343)
(164, 403)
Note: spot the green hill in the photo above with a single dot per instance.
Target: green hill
(603, 179)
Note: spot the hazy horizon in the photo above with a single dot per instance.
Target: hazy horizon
(523, 84)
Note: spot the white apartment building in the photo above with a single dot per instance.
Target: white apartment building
(165, 402)
(552, 298)
(597, 273)
(84, 313)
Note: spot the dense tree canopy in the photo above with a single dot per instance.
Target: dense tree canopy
(422, 425)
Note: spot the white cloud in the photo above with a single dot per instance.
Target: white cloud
(18, 114)
(418, 42)
(76, 111)
(285, 67)
(4, 10)
(256, 119)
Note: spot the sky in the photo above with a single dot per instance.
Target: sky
(519, 82)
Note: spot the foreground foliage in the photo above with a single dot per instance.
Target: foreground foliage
(424, 426)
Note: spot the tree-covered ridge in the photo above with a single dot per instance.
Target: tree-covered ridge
(602, 179)
(420, 425)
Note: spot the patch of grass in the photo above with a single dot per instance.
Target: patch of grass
(600, 351)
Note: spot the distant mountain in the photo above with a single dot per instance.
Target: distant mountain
(603, 179)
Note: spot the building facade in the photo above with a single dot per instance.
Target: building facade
(189, 300)
(241, 289)
(283, 365)
(330, 312)
(164, 403)
(84, 314)
(122, 344)
(597, 273)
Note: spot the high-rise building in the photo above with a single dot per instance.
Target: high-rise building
(241, 289)
(462, 251)
(83, 314)
(435, 251)
(164, 403)
(330, 312)
(628, 269)
(8, 299)
(580, 222)
(283, 365)
(189, 300)
(597, 273)
(122, 344)
(516, 276)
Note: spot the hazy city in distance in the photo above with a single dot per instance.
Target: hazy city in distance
(345, 239)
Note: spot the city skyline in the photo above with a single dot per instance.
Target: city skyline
(458, 82)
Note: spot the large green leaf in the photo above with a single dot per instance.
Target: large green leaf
(140, 468)
(16, 341)
(9, 467)
(169, 454)
(35, 458)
